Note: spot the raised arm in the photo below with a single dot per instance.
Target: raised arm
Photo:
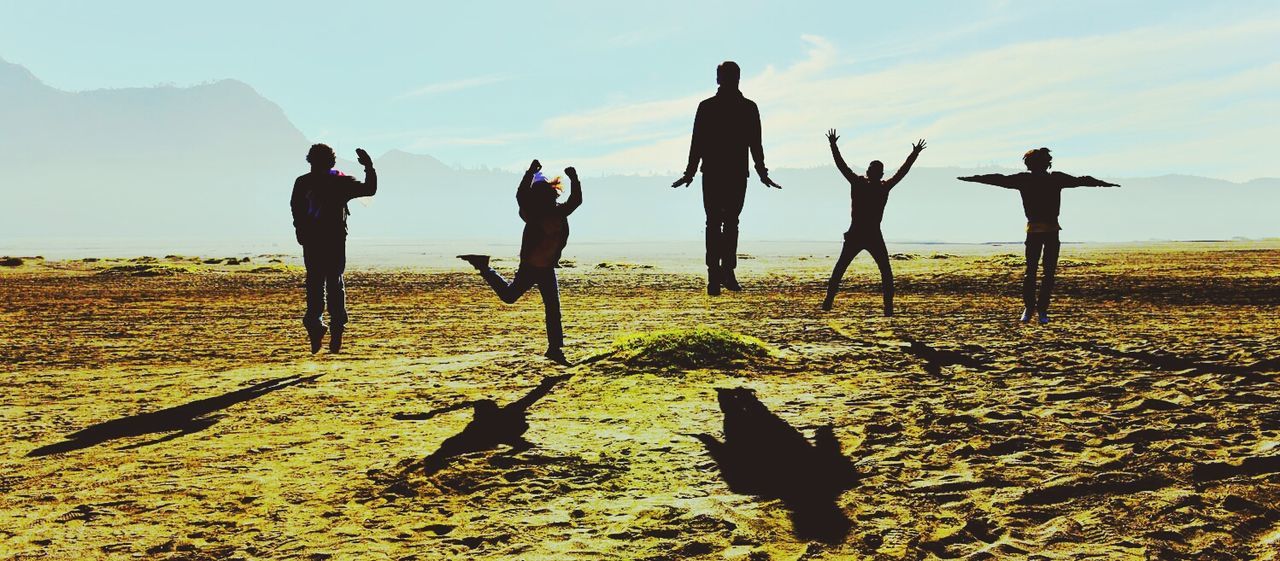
(526, 183)
(695, 149)
(1067, 181)
(370, 186)
(997, 179)
(575, 192)
(757, 147)
(906, 166)
(835, 153)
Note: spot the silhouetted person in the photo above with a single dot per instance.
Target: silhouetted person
(319, 204)
(490, 426)
(867, 196)
(1041, 200)
(546, 231)
(725, 128)
(764, 455)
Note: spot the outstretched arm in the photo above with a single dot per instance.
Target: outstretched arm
(695, 150)
(575, 192)
(1067, 181)
(537, 393)
(997, 179)
(835, 153)
(906, 166)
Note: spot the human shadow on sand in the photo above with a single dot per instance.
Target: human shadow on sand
(180, 420)
(491, 426)
(1164, 360)
(765, 456)
(936, 359)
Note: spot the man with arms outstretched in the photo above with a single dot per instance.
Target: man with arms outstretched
(1041, 200)
(868, 196)
(725, 128)
(319, 205)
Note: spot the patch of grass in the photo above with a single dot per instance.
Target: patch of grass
(620, 265)
(10, 261)
(147, 270)
(904, 256)
(698, 347)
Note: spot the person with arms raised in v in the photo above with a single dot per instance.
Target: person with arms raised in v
(725, 128)
(546, 232)
(1041, 193)
(319, 205)
(868, 196)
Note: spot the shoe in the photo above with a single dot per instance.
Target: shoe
(713, 282)
(1044, 318)
(316, 334)
(335, 340)
(1026, 315)
(480, 262)
(729, 281)
(557, 356)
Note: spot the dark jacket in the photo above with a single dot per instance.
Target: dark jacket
(546, 223)
(1041, 192)
(319, 203)
(868, 198)
(726, 126)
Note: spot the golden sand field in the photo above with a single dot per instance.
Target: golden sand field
(1143, 423)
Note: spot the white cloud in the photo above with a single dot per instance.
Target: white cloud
(453, 86)
(1165, 89)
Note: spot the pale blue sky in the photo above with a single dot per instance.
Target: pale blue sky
(1116, 88)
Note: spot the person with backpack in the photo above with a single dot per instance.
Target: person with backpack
(319, 205)
(546, 232)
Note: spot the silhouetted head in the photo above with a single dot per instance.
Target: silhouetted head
(545, 192)
(728, 74)
(321, 157)
(875, 170)
(1038, 160)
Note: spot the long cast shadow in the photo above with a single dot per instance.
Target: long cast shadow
(490, 426)
(181, 420)
(765, 456)
(1168, 361)
(936, 359)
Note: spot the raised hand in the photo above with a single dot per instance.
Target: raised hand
(918, 146)
(535, 166)
(771, 183)
(363, 158)
(572, 173)
(682, 182)
(831, 136)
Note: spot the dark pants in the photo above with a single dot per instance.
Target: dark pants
(325, 262)
(854, 243)
(526, 277)
(1038, 243)
(722, 198)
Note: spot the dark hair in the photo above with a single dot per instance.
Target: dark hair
(876, 164)
(321, 154)
(728, 73)
(1038, 158)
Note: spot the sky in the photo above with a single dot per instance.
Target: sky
(1116, 89)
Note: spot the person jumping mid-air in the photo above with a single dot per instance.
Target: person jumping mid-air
(868, 196)
(546, 231)
(725, 128)
(1041, 200)
(319, 204)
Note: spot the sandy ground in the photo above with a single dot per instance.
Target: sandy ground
(1141, 424)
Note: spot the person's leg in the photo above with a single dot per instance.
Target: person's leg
(335, 285)
(880, 253)
(712, 205)
(550, 290)
(509, 292)
(1034, 244)
(312, 259)
(1052, 245)
(734, 198)
(847, 253)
